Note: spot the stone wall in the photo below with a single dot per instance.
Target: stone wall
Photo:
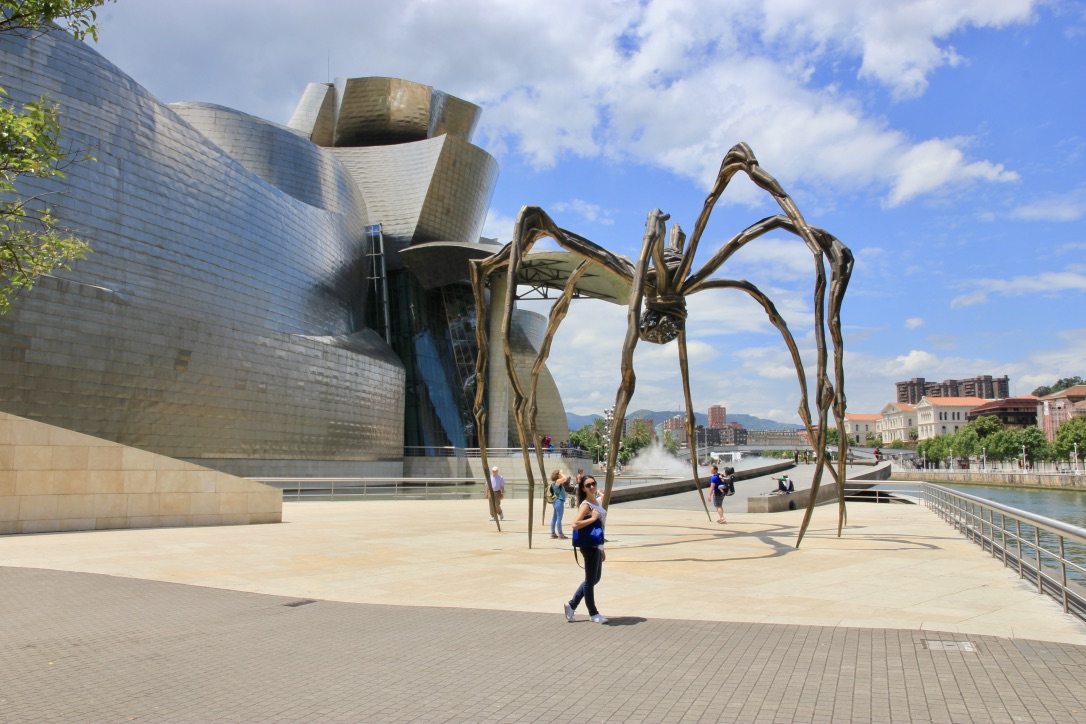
(52, 479)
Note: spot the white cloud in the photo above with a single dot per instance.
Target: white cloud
(670, 84)
(1044, 283)
(898, 41)
(915, 360)
(591, 213)
(937, 163)
(1062, 207)
(499, 226)
(914, 323)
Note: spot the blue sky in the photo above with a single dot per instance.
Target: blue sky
(942, 141)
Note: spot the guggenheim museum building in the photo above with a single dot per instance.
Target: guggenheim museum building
(261, 299)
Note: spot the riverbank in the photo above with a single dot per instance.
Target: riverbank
(1066, 481)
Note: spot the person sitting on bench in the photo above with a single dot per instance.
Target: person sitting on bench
(784, 485)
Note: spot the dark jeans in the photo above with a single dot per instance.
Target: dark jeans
(593, 571)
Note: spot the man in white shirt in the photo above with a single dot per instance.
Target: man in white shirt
(497, 486)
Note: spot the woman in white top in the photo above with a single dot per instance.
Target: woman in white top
(589, 511)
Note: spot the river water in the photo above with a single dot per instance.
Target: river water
(1066, 505)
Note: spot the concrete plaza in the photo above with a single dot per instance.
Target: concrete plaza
(422, 611)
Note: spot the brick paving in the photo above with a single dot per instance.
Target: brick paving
(78, 647)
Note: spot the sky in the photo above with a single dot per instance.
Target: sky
(942, 141)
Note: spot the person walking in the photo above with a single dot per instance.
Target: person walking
(497, 489)
(588, 537)
(718, 488)
(559, 481)
(573, 488)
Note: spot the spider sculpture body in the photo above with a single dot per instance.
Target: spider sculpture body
(660, 281)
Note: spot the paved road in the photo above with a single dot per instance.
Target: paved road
(86, 647)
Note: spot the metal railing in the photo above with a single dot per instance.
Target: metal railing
(1045, 551)
(328, 489)
(435, 451)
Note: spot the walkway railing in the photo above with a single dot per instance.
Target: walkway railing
(1047, 552)
(434, 451)
(327, 489)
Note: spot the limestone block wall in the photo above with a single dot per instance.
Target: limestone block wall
(52, 479)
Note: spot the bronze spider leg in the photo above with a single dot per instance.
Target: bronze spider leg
(741, 158)
(651, 248)
(479, 274)
(558, 312)
(841, 264)
(691, 439)
(532, 225)
(654, 232)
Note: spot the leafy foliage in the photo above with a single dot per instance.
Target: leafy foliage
(31, 243)
(1062, 384)
(33, 17)
(997, 446)
(670, 442)
(1069, 433)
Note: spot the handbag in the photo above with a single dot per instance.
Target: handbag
(590, 537)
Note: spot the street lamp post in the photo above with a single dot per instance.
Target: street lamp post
(1023, 457)
(983, 459)
(1075, 466)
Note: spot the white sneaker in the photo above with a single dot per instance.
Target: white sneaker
(569, 612)
(597, 619)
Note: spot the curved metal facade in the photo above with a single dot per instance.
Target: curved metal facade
(218, 317)
(222, 315)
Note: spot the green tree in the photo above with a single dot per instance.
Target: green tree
(1062, 384)
(872, 440)
(639, 438)
(671, 442)
(1002, 445)
(1067, 435)
(31, 242)
(985, 425)
(831, 436)
(1035, 443)
(965, 443)
(935, 449)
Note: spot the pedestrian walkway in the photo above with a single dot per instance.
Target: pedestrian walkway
(413, 610)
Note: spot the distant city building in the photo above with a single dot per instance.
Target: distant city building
(896, 421)
(1059, 407)
(675, 424)
(985, 387)
(734, 434)
(1014, 412)
(791, 438)
(858, 426)
(718, 417)
(943, 415)
(628, 424)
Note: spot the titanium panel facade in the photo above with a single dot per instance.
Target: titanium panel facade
(218, 317)
(223, 314)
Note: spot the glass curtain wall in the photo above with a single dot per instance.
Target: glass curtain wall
(433, 333)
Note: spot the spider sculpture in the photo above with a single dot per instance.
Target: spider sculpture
(660, 282)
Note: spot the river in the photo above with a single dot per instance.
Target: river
(1061, 504)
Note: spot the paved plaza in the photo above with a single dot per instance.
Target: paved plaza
(422, 611)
